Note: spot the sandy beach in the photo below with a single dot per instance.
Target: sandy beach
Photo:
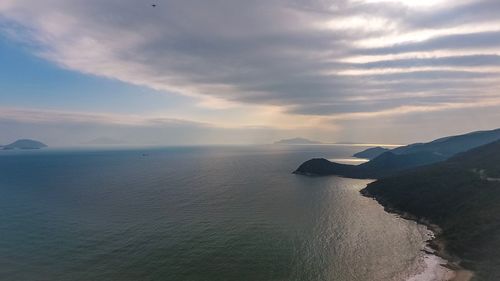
(462, 275)
(436, 268)
(436, 262)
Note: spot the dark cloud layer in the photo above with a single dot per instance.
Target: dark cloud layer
(449, 42)
(307, 57)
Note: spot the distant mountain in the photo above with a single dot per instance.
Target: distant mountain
(297, 141)
(386, 164)
(462, 196)
(449, 146)
(24, 144)
(402, 158)
(371, 153)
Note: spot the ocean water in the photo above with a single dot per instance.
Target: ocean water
(197, 214)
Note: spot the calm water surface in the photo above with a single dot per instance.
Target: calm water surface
(193, 213)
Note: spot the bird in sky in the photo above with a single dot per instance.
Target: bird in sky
(154, 5)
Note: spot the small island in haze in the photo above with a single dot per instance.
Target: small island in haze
(297, 141)
(24, 144)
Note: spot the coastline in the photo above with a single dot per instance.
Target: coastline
(439, 264)
(463, 275)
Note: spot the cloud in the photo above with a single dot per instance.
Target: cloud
(456, 13)
(52, 116)
(476, 40)
(453, 61)
(59, 128)
(287, 54)
(425, 108)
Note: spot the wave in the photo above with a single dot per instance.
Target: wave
(433, 270)
(430, 266)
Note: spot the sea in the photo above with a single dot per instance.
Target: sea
(199, 213)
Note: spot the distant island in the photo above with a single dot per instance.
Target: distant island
(24, 144)
(371, 153)
(401, 158)
(297, 141)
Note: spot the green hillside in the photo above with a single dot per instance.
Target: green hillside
(461, 196)
(402, 158)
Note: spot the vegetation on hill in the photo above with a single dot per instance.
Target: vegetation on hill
(449, 146)
(462, 197)
(402, 158)
(384, 165)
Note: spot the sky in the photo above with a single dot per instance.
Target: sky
(76, 72)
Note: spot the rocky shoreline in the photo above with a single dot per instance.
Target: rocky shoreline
(437, 246)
